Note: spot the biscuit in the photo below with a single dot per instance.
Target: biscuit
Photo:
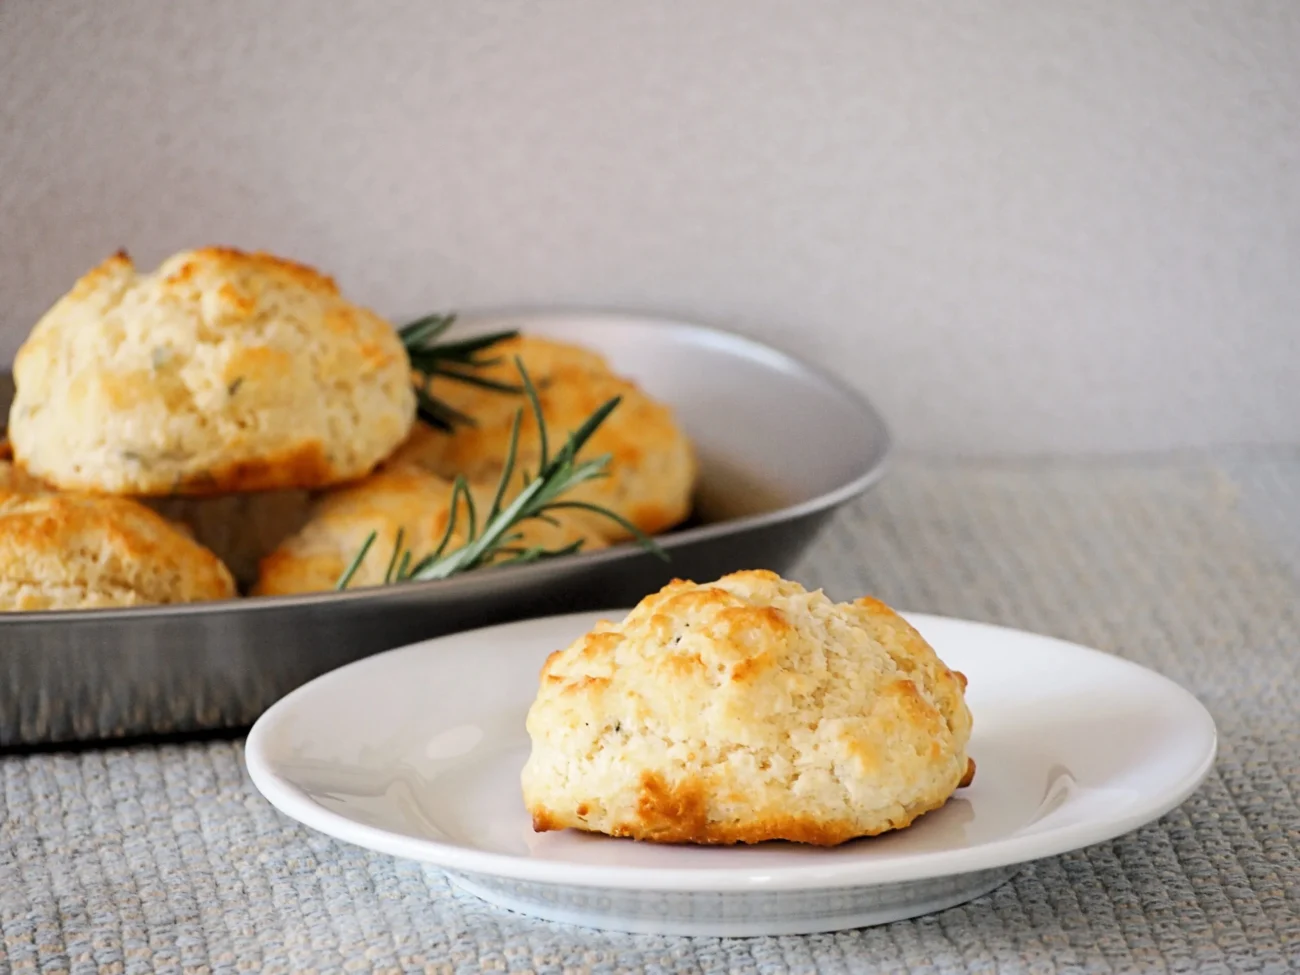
(239, 529)
(67, 551)
(742, 711)
(219, 372)
(652, 469)
(542, 357)
(410, 499)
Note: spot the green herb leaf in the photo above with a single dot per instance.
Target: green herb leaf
(438, 414)
(496, 540)
(355, 564)
(536, 404)
(397, 548)
(455, 361)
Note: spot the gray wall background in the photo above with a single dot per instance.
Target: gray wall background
(1019, 227)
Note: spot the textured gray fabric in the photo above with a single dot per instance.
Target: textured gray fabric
(164, 858)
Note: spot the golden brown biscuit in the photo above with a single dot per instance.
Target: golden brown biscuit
(219, 372)
(542, 357)
(743, 711)
(652, 468)
(239, 529)
(64, 551)
(410, 499)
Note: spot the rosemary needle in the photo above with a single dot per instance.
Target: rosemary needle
(496, 538)
(456, 361)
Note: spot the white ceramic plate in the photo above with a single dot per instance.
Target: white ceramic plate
(417, 752)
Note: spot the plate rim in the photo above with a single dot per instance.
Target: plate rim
(1000, 853)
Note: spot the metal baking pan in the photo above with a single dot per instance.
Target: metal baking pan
(781, 445)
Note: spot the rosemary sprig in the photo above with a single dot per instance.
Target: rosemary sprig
(497, 539)
(456, 361)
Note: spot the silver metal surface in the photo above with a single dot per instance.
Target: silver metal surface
(781, 445)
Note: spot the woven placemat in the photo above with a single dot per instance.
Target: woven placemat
(164, 858)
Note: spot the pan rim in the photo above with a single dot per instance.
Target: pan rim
(877, 448)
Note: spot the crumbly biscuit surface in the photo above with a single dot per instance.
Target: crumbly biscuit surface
(221, 371)
(543, 357)
(67, 551)
(652, 469)
(742, 711)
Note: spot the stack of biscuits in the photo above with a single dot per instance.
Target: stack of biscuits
(230, 421)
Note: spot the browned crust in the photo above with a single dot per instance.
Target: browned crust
(304, 275)
(139, 535)
(302, 467)
(678, 814)
(668, 813)
(278, 574)
(13, 477)
(655, 517)
(108, 269)
(969, 775)
(545, 822)
(305, 465)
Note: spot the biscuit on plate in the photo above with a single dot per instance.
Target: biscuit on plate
(68, 551)
(221, 371)
(745, 710)
(652, 469)
(410, 499)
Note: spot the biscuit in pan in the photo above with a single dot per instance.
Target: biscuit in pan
(652, 470)
(221, 371)
(408, 499)
(69, 551)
